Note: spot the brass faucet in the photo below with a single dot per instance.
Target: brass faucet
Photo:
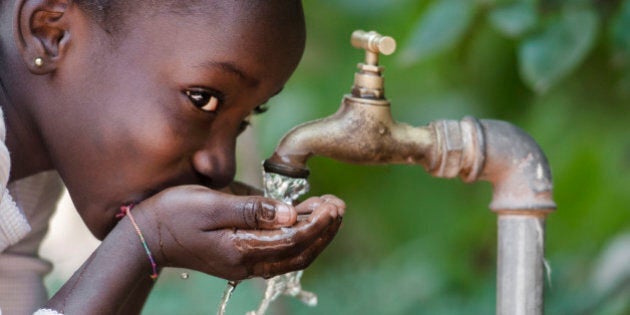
(363, 131)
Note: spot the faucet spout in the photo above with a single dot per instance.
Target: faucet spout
(362, 131)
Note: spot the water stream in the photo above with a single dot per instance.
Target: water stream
(285, 189)
(226, 296)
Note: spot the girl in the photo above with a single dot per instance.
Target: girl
(137, 105)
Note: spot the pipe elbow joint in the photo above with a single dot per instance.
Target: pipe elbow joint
(518, 169)
(498, 152)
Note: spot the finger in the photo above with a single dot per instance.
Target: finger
(280, 244)
(309, 205)
(251, 212)
(341, 205)
(300, 261)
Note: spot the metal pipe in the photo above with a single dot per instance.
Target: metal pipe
(512, 161)
(520, 277)
(363, 132)
(498, 152)
(522, 197)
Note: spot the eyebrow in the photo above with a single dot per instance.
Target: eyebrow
(231, 68)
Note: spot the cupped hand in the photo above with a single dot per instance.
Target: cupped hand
(236, 237)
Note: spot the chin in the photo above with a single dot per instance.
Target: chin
(99, 218)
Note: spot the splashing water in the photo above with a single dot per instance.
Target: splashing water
(226, 296)
(287, 284)
(284, 188)
(287, 190)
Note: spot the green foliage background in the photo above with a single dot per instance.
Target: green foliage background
(413, 244)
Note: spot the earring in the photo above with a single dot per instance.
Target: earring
(39, 62)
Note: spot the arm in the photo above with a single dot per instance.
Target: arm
(104, 281)
(137, 298)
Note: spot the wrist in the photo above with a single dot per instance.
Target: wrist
(142, 237)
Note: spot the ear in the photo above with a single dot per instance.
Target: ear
(42, 33)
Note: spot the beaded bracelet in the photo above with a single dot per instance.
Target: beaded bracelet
(126, 210)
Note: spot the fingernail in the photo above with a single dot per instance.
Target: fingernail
(283, 214)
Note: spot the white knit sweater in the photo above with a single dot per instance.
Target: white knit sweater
(15, 227)
(13, 224)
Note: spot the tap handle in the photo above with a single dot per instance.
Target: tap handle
(368, 81)
(373, 42)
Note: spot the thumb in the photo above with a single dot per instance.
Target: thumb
(254, 212)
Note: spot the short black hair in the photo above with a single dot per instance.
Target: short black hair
(112, 14)
(103, 10)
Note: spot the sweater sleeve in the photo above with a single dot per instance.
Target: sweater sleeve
(13, 223)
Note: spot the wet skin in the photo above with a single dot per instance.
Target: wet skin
(151, 117)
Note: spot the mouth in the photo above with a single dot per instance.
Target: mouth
(207, 182)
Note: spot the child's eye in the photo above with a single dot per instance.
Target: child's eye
(205, 100)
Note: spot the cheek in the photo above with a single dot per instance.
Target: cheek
(125, 148)
(157, 140)
(154, 129)
(156, 143)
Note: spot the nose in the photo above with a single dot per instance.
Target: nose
(216, 163)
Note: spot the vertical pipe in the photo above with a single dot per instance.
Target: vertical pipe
(520, 260)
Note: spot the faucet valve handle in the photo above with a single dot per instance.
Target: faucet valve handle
(373, 42)
(368, 81)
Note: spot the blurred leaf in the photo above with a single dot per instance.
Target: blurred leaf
(514, 19)
(547, 57)
(370, 7)
(612, 266)
(441, 27)
(620, 35)
(623, 86)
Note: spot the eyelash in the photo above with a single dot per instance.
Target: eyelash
(260, 109)
(205, 99)
(210, 100)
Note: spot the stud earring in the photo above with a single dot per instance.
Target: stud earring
(39, 62)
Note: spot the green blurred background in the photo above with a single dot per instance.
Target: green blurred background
(413, 244)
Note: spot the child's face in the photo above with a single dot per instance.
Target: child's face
(132, 116)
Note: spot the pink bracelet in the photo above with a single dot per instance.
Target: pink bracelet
(126, 210)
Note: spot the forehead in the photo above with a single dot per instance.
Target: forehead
(257, 35)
